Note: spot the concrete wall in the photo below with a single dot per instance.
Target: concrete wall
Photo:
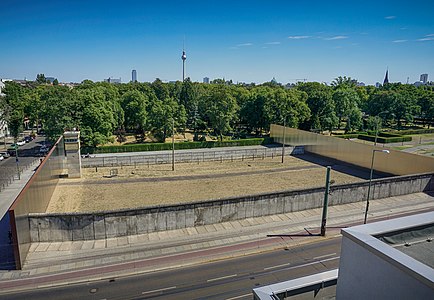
(396, 162)
(34, 198)
(89, 226)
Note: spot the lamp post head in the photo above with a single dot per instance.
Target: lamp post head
(384, 151)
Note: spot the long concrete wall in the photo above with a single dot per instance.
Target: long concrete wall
(82, 226)
(34, 198)
(396, 162)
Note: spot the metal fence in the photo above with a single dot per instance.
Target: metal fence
(9, 174)
(188, 157)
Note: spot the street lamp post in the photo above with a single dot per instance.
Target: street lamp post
(283, 143)
(370, 180)
(173, 144)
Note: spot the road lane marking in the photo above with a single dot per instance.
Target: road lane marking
(159, 290)
(242, 296)
(277, 266)
(323, 256)
(223, 277)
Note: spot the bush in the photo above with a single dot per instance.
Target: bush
(178, 146)
(414, 131)
(385, 140)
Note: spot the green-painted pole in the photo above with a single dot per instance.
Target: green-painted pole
(326, 203)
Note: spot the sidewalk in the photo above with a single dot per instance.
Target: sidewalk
(67, 262)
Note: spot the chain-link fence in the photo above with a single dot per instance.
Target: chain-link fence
(188, 157)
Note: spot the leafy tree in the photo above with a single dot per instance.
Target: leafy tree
(345, 81)
(160, 89)
(345, 100)
(13, 108)
(221, 109)
(321, 105)
(98, 119)
(426, 103)
(55, 82)
(163, 115)
(40, 78)
(134, 105)
(188, 98)
(61, 110)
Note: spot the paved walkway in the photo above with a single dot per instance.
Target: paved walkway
(53, 263)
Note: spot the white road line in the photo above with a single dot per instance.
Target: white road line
(238, 297)
(277, 266)
(326, 255)
(159, 290)
(223, 277)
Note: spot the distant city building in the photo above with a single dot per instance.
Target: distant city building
(134, 76)
(112, 80)
(424, 78)
(205, 80)
(418, 83)
(386, 78)
(360, 84)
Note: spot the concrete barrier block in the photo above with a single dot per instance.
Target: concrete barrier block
(228, 212)
(87, 226)
(280, 203)
(161, 221)
(44, 229)
(257, 208)
(170, 219)
(115, 226)
(272, 205)
(300, 202)
(142, 220)
(152, 220)
(131, 220)
(287, 202)
(180, 218)
(77, 227)
(211, 214)
(190, 217)
(99, 227)
(249, 208)
(33, 230)
(240, 210)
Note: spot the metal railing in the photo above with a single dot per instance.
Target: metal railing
(11, 174)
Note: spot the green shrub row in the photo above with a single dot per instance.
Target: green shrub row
(383, 137)
(414, 131)
(385, 140)
(178, 146)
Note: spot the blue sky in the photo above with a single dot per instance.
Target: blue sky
(246, 41)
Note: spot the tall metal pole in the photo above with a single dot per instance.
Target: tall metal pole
(326, 202)
(283, 143)
(16, 159)
(173, 144)
(369, 186)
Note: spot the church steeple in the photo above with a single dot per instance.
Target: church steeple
(386, 79)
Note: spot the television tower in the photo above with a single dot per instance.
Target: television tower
(184, 57)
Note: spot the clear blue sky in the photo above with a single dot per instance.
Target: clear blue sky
(248, 41)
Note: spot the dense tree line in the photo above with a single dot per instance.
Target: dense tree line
(102, 109)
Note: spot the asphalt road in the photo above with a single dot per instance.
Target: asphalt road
(226, 279)
(26, 155)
